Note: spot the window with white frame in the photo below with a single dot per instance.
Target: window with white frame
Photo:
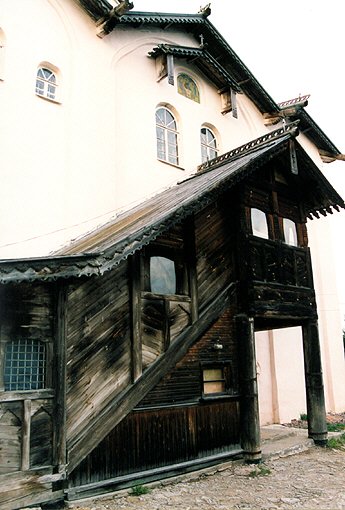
(208, 141)
(46, 83)
(167, 136)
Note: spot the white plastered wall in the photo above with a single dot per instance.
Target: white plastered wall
(72, 165)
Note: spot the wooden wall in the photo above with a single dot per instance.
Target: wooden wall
(184, 383)
(157, 438)
(215, 248)
(159, 432)
(98, 345)
(27, 418)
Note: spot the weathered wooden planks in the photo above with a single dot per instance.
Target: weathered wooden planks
(98, 345)
(156, 438)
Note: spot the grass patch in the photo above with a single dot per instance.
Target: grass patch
(139, 490)
(335, 427)
(338, 443)
(260, 471)
(303, 417)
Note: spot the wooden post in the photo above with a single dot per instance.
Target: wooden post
(25, 463)
(250, 423)
(316, 410)
(136, 339)
(59, 455)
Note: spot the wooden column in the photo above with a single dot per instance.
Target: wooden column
(59, 450)
(136, 339)
(316, 410)
(250, 423)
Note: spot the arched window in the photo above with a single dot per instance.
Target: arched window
(187, 87)
(208, 145)
(290, 232)
(166, 133)
(259, 223)
(46, 83)
(24, 366)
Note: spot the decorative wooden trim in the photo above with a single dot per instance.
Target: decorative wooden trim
(291, 128)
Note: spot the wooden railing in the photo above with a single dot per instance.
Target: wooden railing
(276, 262)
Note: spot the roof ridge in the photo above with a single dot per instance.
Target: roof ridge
(291, 129)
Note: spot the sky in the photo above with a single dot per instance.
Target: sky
(291, 47)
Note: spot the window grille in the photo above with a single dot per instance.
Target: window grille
(24, 365)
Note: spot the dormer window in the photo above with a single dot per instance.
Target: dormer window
(166, 133)
(187, 87)
(259, 223)
(208, 145)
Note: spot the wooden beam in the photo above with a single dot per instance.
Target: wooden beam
(26, 426)
(316, 410)
(329, 157)
(250, 422)
(137, 362)
(191, 266)
(59, 442)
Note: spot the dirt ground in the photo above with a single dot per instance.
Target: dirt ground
(314, 479)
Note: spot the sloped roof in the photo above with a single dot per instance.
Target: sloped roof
(104, 248)
(216, 46)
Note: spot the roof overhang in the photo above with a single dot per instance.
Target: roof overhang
(101, 250)
(202, 59)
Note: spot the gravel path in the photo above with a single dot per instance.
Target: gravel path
(314, 479)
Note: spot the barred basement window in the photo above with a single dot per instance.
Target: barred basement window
(25, 365)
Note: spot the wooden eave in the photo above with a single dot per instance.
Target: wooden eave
(215, 45)
(227, 59)
(202, 59)
(96, 9)
(222, 53)
(101, 250)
